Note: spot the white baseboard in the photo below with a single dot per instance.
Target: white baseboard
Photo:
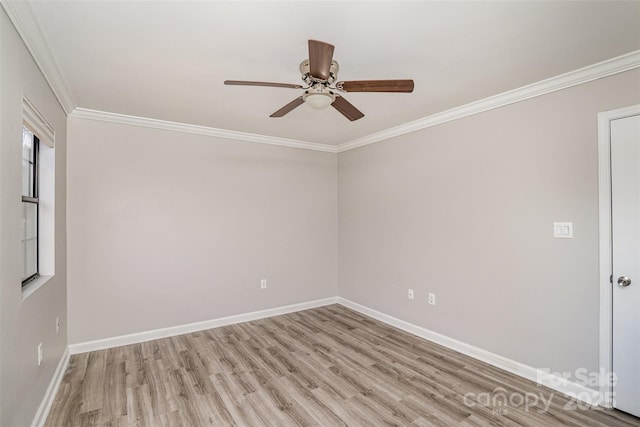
(52, 390)
(571, 389)
(139, 337)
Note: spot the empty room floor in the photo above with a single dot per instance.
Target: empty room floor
(328, 366)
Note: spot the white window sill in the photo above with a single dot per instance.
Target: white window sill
(34, 285)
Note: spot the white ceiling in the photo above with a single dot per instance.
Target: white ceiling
(167, 60)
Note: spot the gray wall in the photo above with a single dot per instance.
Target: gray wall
(169, 228)
(23, 324)
(465, 210)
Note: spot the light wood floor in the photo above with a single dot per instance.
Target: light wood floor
(328, 366)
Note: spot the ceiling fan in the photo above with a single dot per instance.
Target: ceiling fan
(319, 73)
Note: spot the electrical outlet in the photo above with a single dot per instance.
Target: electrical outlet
(40, 354)
(57, 324)
(263, 284)
(410, 293)
(432, 298)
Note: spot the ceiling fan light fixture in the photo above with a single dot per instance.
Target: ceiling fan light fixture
(318, 100)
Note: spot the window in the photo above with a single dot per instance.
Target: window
(30, 206)
(37, 213)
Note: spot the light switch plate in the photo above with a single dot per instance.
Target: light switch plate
(563, 230)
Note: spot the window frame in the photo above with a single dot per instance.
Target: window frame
(46, 251)
(35, 199)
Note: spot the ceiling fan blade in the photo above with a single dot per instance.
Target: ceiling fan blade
(269, 84)
(320, 57)
(287, 108)
(405, 86)
(347, 109)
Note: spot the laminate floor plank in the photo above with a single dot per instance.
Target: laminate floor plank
(328, 366)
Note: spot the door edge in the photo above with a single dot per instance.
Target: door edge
(605, 254)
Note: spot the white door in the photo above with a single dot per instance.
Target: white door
(625, 215)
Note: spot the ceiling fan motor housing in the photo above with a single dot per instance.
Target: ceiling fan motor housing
(310, 80)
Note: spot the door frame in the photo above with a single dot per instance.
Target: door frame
(606, 287)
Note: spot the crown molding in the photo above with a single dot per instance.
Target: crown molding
(28, 27)
(124, 119)
(26, 23)
(596, 71)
